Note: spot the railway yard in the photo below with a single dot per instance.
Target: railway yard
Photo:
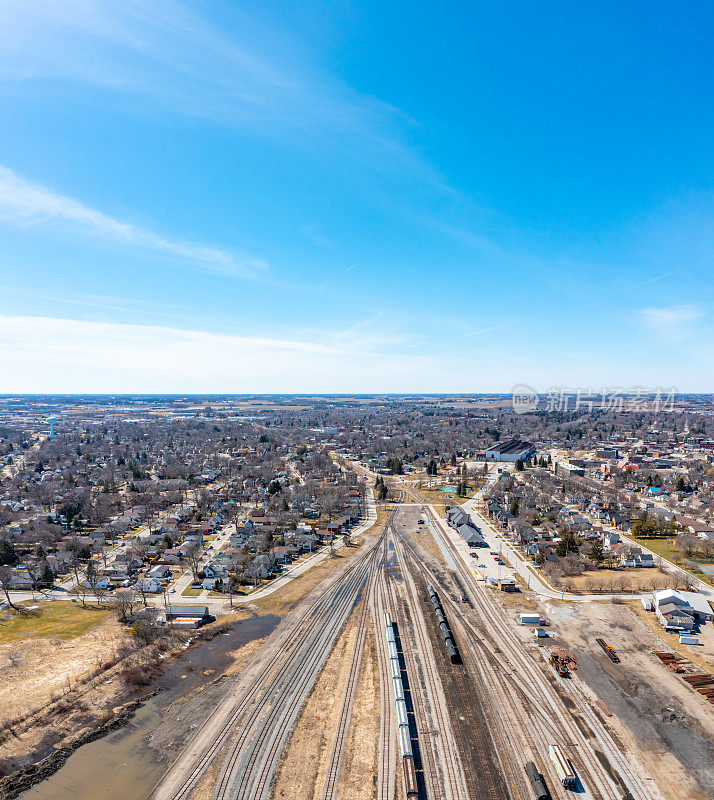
(464, 700)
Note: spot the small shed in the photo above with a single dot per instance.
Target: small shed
(187, 615)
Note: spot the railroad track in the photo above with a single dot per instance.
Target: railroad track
(547, 712)
(253, 756)
(479, 740)
(249, 687)
(329, 791)
(525, 682)
(387, 766)
(442, 767)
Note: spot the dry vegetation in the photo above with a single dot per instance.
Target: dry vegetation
(359, 769)
(64, 686)
(644, 579)
(303, 767)
(285, 599)
(58, 620)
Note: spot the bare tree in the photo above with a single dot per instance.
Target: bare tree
(193, 557)
(6, 576)
(125, 600)
(94, 581)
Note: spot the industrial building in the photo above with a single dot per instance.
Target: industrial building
(511, 450)
(569, 470)
(680, 611)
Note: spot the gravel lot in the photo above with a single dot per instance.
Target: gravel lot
(653, 710)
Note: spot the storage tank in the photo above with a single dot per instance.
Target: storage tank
(540, 790)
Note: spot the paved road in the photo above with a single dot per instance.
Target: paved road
(499, 544)
(219, 605)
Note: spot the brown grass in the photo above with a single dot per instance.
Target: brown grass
(40, 669)
(303, 767)
(286, 598)
(637, 580)
(61, 620)
(359, 768)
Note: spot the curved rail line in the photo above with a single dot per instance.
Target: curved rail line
(276, 656)
(250, 765)
(545, 704)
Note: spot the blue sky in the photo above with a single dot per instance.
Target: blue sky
(342, 196)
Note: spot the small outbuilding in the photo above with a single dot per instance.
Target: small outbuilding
(189, 616)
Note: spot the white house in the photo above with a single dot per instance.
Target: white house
(100, 583)
(636, 558)
(149, 585)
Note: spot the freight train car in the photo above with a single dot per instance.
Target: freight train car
(446, 635)
(562, 766)
(540, 790)
(403, 728)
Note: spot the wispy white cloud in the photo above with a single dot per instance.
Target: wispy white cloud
(49, 354)
(671, 322)
(25, 203)
(312, 234)
(653, 280)
(168, 53)
(43, 354)
(483, 330)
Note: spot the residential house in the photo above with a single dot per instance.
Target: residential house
(149, 585)
(634, 557)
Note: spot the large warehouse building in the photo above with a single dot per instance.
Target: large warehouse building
(511, 450)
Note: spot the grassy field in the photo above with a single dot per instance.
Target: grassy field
(668, 549)
(435, 497)
(613, 580)
(663, 547)
(59, 620)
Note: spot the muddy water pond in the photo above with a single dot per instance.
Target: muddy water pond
(122, 765)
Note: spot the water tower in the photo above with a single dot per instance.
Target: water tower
(52, 421)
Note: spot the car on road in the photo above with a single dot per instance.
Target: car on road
(421, 522)
(473, 555)
(481, 565)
